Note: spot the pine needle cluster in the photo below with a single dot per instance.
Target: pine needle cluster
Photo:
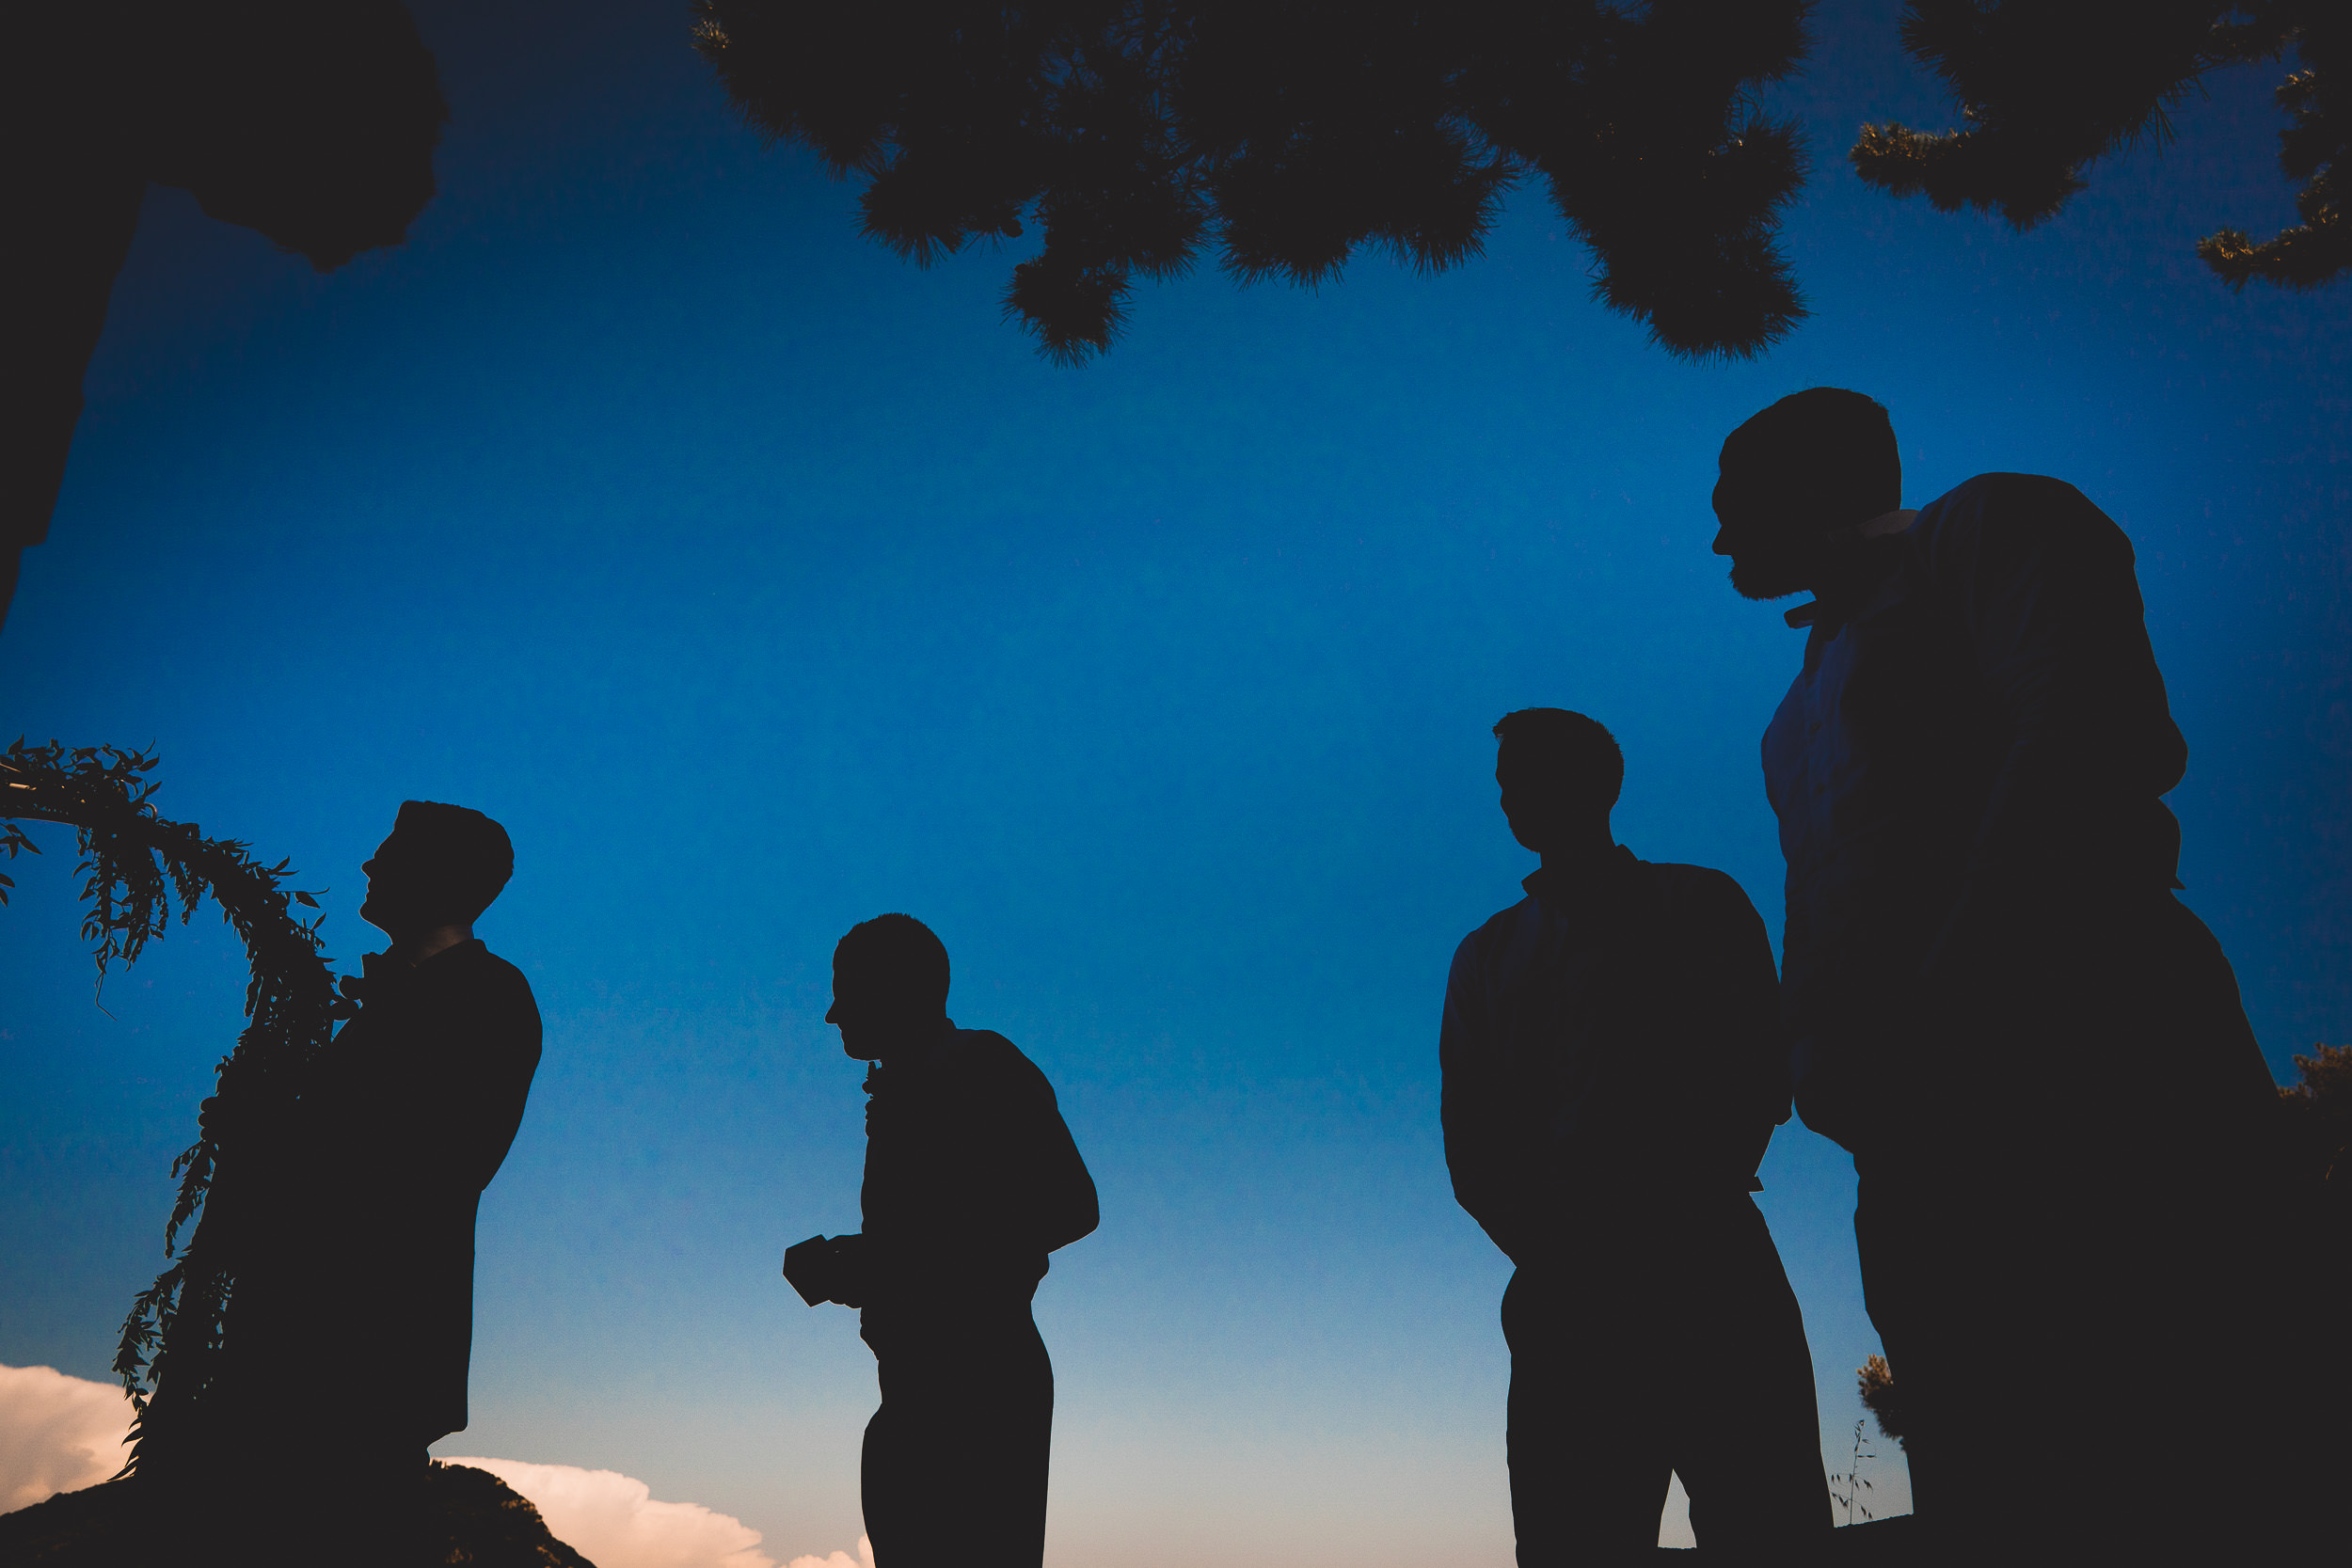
(136, 868)
(2314, 150)
(1287, 135)
(2046, 88)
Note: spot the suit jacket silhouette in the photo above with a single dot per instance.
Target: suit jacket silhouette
(366, 1268)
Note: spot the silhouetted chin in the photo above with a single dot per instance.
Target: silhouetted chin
(1769, 577)
(391, 918)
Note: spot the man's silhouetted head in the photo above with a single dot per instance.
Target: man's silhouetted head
(443, 865)
(1559, 773)
(889, 987)
(1795, 479)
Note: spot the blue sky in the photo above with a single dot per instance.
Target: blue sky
(760, 583)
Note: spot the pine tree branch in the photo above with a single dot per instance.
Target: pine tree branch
(1287, 135)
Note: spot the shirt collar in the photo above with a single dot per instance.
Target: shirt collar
(381, 974)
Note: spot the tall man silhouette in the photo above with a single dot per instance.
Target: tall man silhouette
(2035, 1052)
(352, 1332)
(1614, 1069)
(970, 1180)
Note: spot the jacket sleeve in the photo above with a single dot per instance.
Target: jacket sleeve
(2041, 585)
(468, 1103)
(1472, 1106)
(1736, 1061)
(1065, 1202)
(1031, 1187)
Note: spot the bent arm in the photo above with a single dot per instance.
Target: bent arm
(1047, 1195)
(1473, 1107)
(466, 1102)
(1068, 1206)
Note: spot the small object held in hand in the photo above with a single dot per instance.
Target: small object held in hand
(809, 1269)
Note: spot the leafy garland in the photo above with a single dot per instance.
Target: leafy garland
(135, 867)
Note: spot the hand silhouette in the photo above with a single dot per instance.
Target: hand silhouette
(828, 1268)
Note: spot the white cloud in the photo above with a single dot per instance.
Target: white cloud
(865, 1559)
(57, 1433)
(615, 1521)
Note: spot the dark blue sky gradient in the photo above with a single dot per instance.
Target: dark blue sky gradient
(760, 583)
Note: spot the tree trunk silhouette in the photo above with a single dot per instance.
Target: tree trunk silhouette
(315, 125)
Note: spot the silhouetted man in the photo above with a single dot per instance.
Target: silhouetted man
(1613, 1070)
(2035, 1052)
(352, 1329)
(970, 1180)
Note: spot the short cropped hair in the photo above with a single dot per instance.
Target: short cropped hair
(1564, 751)
(1825, 454)
(895, 953)
(464, 857)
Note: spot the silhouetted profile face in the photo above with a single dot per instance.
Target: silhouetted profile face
(1559, 773)
(1793, 478)
(443, 865)
(889, 987)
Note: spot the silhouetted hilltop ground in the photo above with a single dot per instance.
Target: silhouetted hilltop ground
(1874, 1544)
(480, 1521)
(484, 1524)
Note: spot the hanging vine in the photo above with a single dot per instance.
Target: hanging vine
(135, 866)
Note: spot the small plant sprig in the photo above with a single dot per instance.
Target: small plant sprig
(135, 867)
(1846, 1490)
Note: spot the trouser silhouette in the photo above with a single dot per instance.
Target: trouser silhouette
(312, 1444)
(2079, 1381)
(2072, 1248)
(956, 1460)
(1667, 1344)
(355, 1498)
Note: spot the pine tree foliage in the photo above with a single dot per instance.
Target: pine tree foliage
(2316, 150)
(2319, 1113)
(136, 868)
(1287, 135)
(2047, 88)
